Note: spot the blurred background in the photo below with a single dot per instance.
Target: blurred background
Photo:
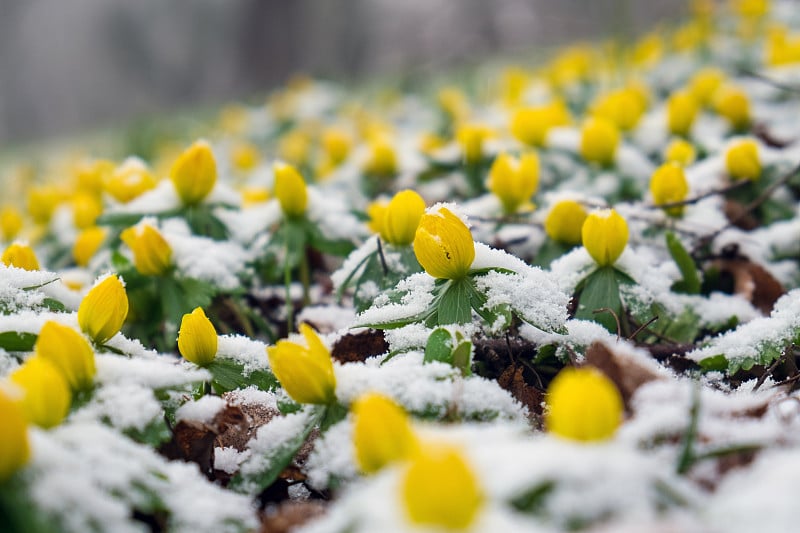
(72, 66)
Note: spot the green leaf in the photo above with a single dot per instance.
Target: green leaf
(439, 347)
(318, 241)
(716, 362)
(18, 513)
(454, 305)
(153, 434)
(228, 375)
(462, 357)
(600, 290)
(195, 293)
(17, 341)
(532, 500)
(690, 284)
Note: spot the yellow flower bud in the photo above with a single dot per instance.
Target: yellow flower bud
(14, 447)
(294, 147)
(104, 309)
(70, 352)
(732, 103)
(91, 174)
(680, 151)
(290, 190)
(305, 372)
(530, 125)
(401, 218)
(705, 83)
(194, 173)
(440, 489)
(197, 338)
(46, 395)
(604, 235)
(253, 195)
(85, 210)
(623, 107)
(742, 161)
(514, 181)
(152, 254)
(244, 156)
(382, 161)
(513, 84)
(599, 141)
(376, 211)
(471, 138)
(681, 112)
(751, 9)
(129, 180)
(87, 243)
(336, 145)
(382, 433)
(20, 256)
(453, 103)
(583, 405)
(443, 245)
(564, 222)
(668, 185)
(10, 222)
(41, 203)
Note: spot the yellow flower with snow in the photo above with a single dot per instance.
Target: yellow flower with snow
(194, 173)
(69, 351)
(305, 372)
(103, 310)
(46, 396)
(680, 151)
(530, 125)
(681, 112)
(583, 405)
(20, 256)
(440, 489)
(742, 161)
(470, 138)
(336, 144)
(382, 433)
(732, 103)
(85, 210)
(401, 218)
(382, 160)
(565, 221)
(443, 245)
(668, 185)
(129, 180)
(604, 235)
(290, 189)
(197, 338)
(14, 446)
(10, 222)
(705, 83)
(623, 107)
(91, 174)
(514, 180)
(152, 254)
(599, 141)
(87, 243)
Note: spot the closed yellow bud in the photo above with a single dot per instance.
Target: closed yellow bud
(46, 395)
(10, 222)
(194, 173)
(382, 433)
(382, 161)
(680, 151)
(336, 144)
(305, 372)
(85, 210)
(41, 203)
(681, 112)
(440, 489)
(623, 107)
(742, 161)
(604, 235)
(564, 222)
(129, 180)
(599, 141)
(514, 181)
(20, 256)
(752, 9)
(91, 174)
(471, 138)
(668, 185)
(705, 83)
(443, 245)
(14, 446)
(254, 195)
(197, 338)
(732, 103)
(70, 352)
(104, 309)
(87, 243)
(453, 102)
(401, 218)
(152, 254)
(583, 405)
(530, 125)
(244, 156)
(290, 189)
(376, 211)
(294, 147)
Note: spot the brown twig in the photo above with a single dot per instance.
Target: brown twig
(616, 319)
(703, 196)
(642, 327)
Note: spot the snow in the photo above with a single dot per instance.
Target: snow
(203, 410)
(250, 353)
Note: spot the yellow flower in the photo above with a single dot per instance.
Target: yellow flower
(305, 372)
(604, 235)
(599, 141)
(732, 103)
(514, 181)
(20, 256)
(376, 211)
(453, 102)
(87, 243)
(704, 84)
(46, 397)
(382, 433)
(583, 405)
(85, 210)
(336, 145)
(294, 147)
(41, 202)
(152, 254)
(197, 338)
(253, 195)
(290, 190)
(668, 185)
(10, 222)
(130, 180)
(564, 222)
(382, 161)
(513, 84)
(742, 161)
(443, 245)
(623, 107)
(104, 309)
(681, 112)
(194, 173)
(471, 137)
(69, 351)
(440, 489)
(531, 124)
(680, 151)
(14, 447)
(244, 156)
(90, 175)
(401, 218)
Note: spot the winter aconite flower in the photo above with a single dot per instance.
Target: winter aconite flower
(680, 151)
(439, 488)
(623, 107)
(514, 180)
(668, 185)
(681, 112)
(705, 83)
(194, 173)
(376, 211)
(382, 433)
(401, 218)
(152, 255)
(532, 124)
(732, 103)
(10, 222)
(470, 138)
(305, 372)
(20, 256)
(197, 338)
(14, 446)
(290, 189)
(583, 405)
(599, 141)
(742, 161)
(565, 221)
(70, 352)
(85, 210)
(443, 245)
(104, 309)
(87, 243)
(382, 159)
(130, 180)
(604, 235)
(46, 394)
